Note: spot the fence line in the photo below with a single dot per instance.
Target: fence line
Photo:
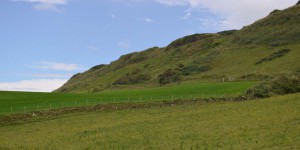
(95, 101)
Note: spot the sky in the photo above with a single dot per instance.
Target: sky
(44, 42)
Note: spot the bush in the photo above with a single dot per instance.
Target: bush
(261, 90)
(286, 85)
(277, 54)
(274, 11)
(97, 89)
(137, 59)
(228, 32)
(283, 84)
(134, 77)
(188, 39)
(75, 76)
(194, 69)
(97, 67)
(133, 58)
(168, 76)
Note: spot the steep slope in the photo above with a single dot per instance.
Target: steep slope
(261, 50)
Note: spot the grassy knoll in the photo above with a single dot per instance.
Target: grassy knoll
(272, 123)
(20, 101)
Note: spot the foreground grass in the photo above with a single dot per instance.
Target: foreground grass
(12, 102)
(259, 124)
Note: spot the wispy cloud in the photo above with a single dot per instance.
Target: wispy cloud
(187, 15)
(173, 2)
(53, 5)
(124, 44)
(235, 14)
(148, 20)
(39, 85)
(49, 75)
(47, 65)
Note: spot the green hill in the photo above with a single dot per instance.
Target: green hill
(264, 49)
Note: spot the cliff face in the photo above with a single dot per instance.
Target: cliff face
(265, 48)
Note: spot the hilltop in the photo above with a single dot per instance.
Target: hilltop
(268, 47)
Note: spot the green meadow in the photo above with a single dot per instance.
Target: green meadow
(272, 123)
(13, 102)
(137, 90)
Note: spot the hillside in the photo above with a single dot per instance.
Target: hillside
(267, 47)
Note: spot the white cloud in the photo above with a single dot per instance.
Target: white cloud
(236, 13)
(187, 15)
(40, 85)
(173, 2)
(47, 65)
(49, 75)
(46, 4)
(148, 20)
(124, 44)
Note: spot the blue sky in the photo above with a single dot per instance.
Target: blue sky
(44, 42)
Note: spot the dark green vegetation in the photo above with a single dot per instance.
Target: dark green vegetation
(132, 78)
(256, 52)
(277, 54)
(283, 84)
(27, 101)
(272, 123)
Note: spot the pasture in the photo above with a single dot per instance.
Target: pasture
(14, 102)
(272, 123)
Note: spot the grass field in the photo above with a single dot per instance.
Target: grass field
(272, 123)
(12, 102)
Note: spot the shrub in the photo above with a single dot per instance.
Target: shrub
(189, 70)
(134, 77)
(286, 85)
(97, 89)
(137, 59)
(274, 11)
(277, 54)
(188, 39)
(228, 32)
(146, 65)
(282, 84)
(75, 76)
(97, 67)
(261, 90)
(133, 58)
(168, 76)
(180, 65)
(194, 69)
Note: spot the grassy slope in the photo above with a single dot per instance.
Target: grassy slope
(228, 55)
(272, 123)
(34, 101)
